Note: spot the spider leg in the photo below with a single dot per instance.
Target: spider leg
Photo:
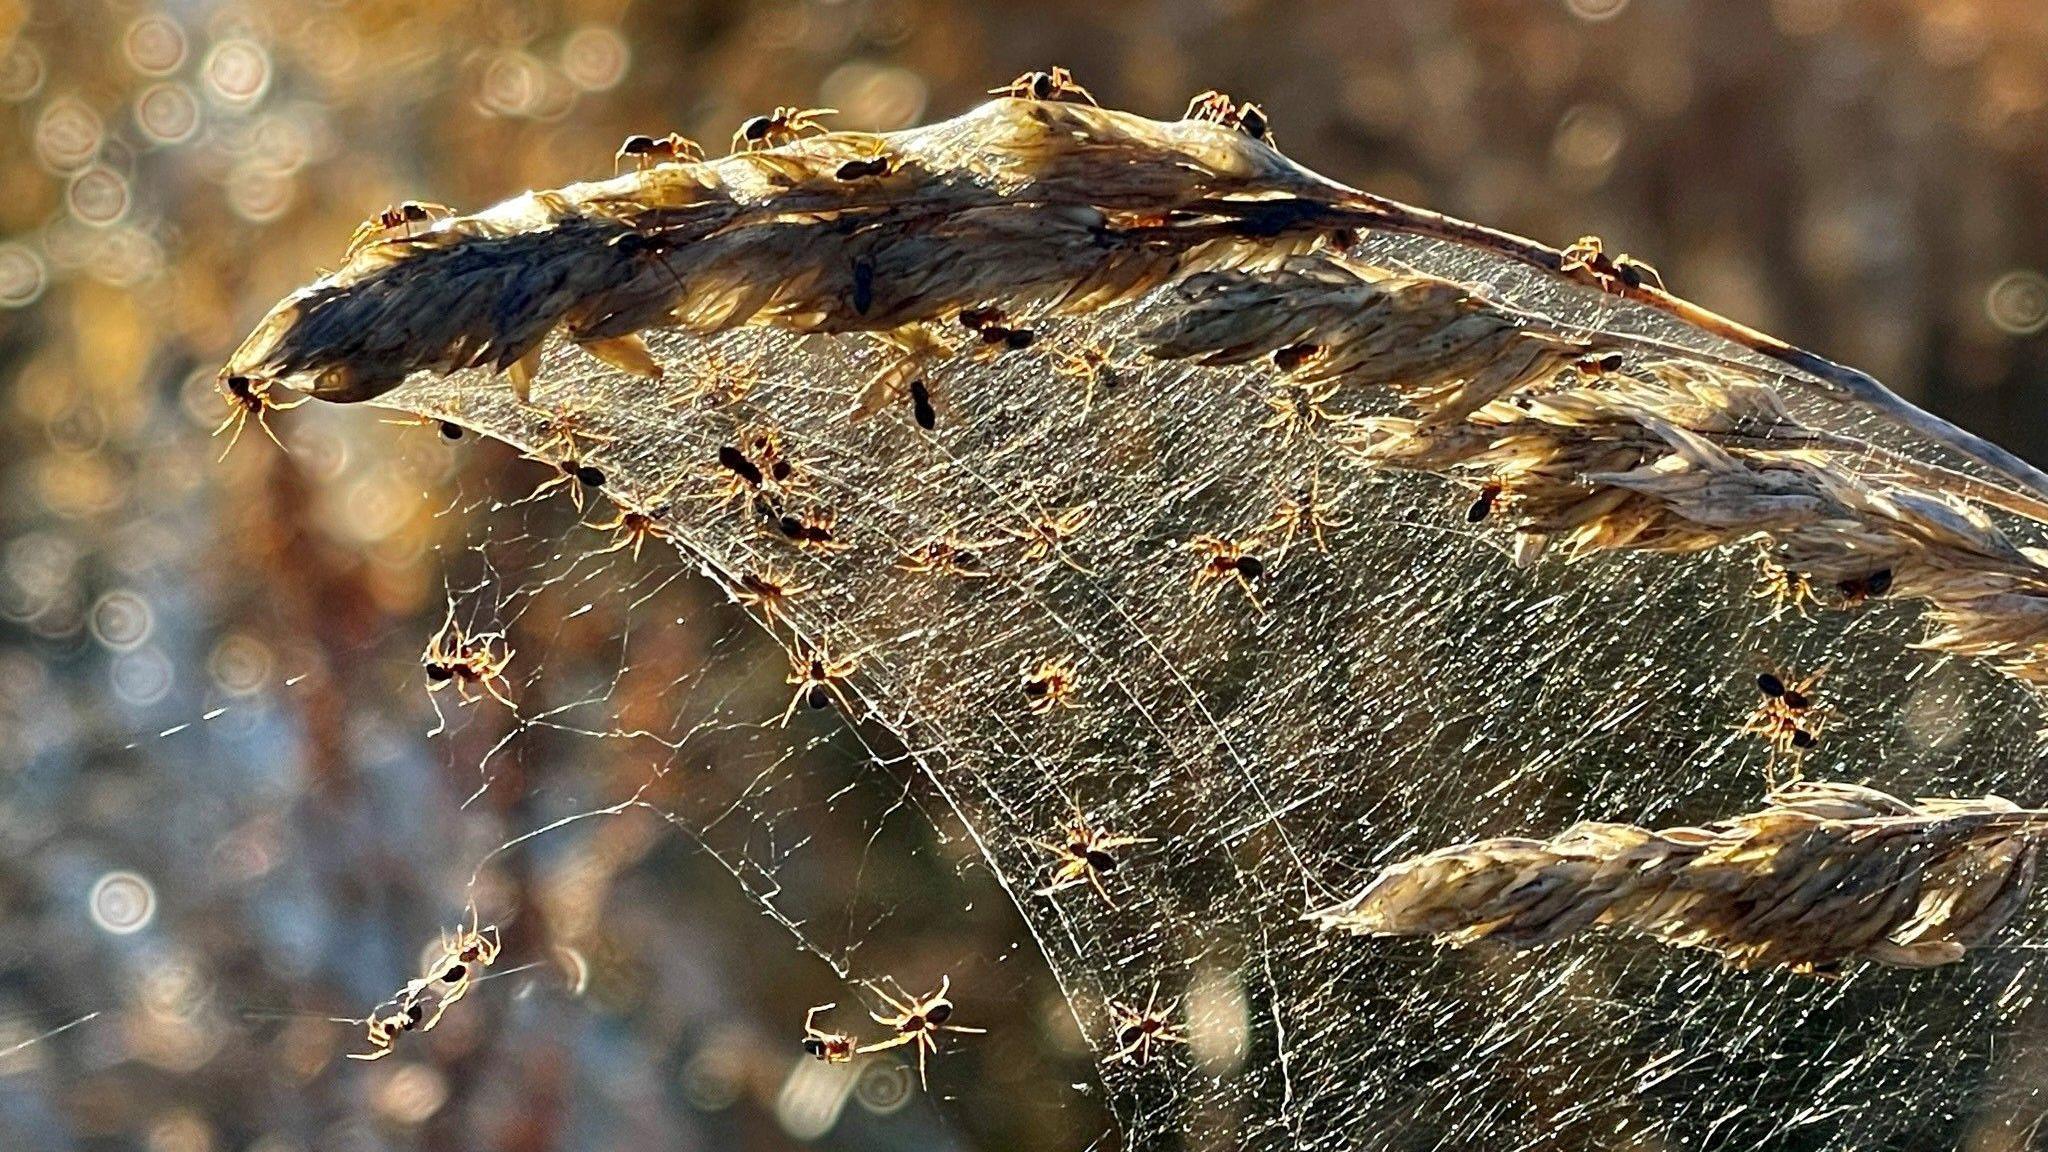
(1095, 879)
(896, 1041)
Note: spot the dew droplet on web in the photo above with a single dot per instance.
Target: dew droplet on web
(122, 903)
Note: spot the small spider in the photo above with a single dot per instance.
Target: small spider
(1857, 590)
(384, 1031)
(449, 429)
(1216, 108)
(1484, 502)
(948, 555)
(399, 219)
(815, 530)
(465, 661)
(249, 398)
(717, 379)
(1086, 856)
(919, 1023)
(1224, 559)
(1048, 533)
(1297, 409)
(996, 336)
(820, 679)
(1050, 683)
(631, 527)
(1784, 588)
(778, 127)
(1058, 84)
(462, 956)
(1304, 510)
(880, 164)
(768, 591)
(830, 1047)
(1091, 365)
(1588, 255)
(648, 151)
(1137, 1031)
(1787, 718)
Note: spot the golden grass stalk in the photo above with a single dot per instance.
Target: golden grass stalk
(1823, 875)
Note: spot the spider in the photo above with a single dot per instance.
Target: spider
(948, 555)
(1047, 533)
(812, 531)
(1303, 511)
(919, 1023)
(1050, 683)
(630, 528)
(1588, 255)
(1085, 857)
(996, 337)
(1297, 408)
(1484, 502)
(1057, 84)
(769, 591)
(1856, 590)
(384, 1031)
(248, 398)
(1783, 587)
(648, 151)
(399, 218)
(820, 679)
(1787, 718)
(1222, 560)
(778, 127)
(831, 1047)
(466, 662)
(449, 429)
(470, 949)
(1138, 1031)
(1091, 365)
(1217, 108)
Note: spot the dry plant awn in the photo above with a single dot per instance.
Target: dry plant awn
(1129, 460)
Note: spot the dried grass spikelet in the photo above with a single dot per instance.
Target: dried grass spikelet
(1676, 457)
(1824, 874)
(1052, 206)
(1435, 343)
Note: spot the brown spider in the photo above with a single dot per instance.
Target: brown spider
(400, 219)
(1086, 856)
(919, 1023)
(465, 661)
(1857, 590)
(948, 555)
(778, 127)
(815, 530)
(1050, 683)
(831, 1047)
(1224, 559)
(1137, 1031)
(249, 397)
(1047, 534)
(1302, 511)
(630, 528)
(648, 151)
(1216, 108)
(1787, 718)
(768, 591)
(820, 679)
(1298, 408)
(1588, 255)
(449, 429)
(1485, 501)
(1057, 84)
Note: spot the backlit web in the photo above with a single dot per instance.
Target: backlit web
(1399, 685)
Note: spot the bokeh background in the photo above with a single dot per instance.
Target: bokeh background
(221, 817)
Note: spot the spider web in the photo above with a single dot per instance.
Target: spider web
(1406, 688)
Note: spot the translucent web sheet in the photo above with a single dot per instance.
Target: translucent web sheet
(1406, 688)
